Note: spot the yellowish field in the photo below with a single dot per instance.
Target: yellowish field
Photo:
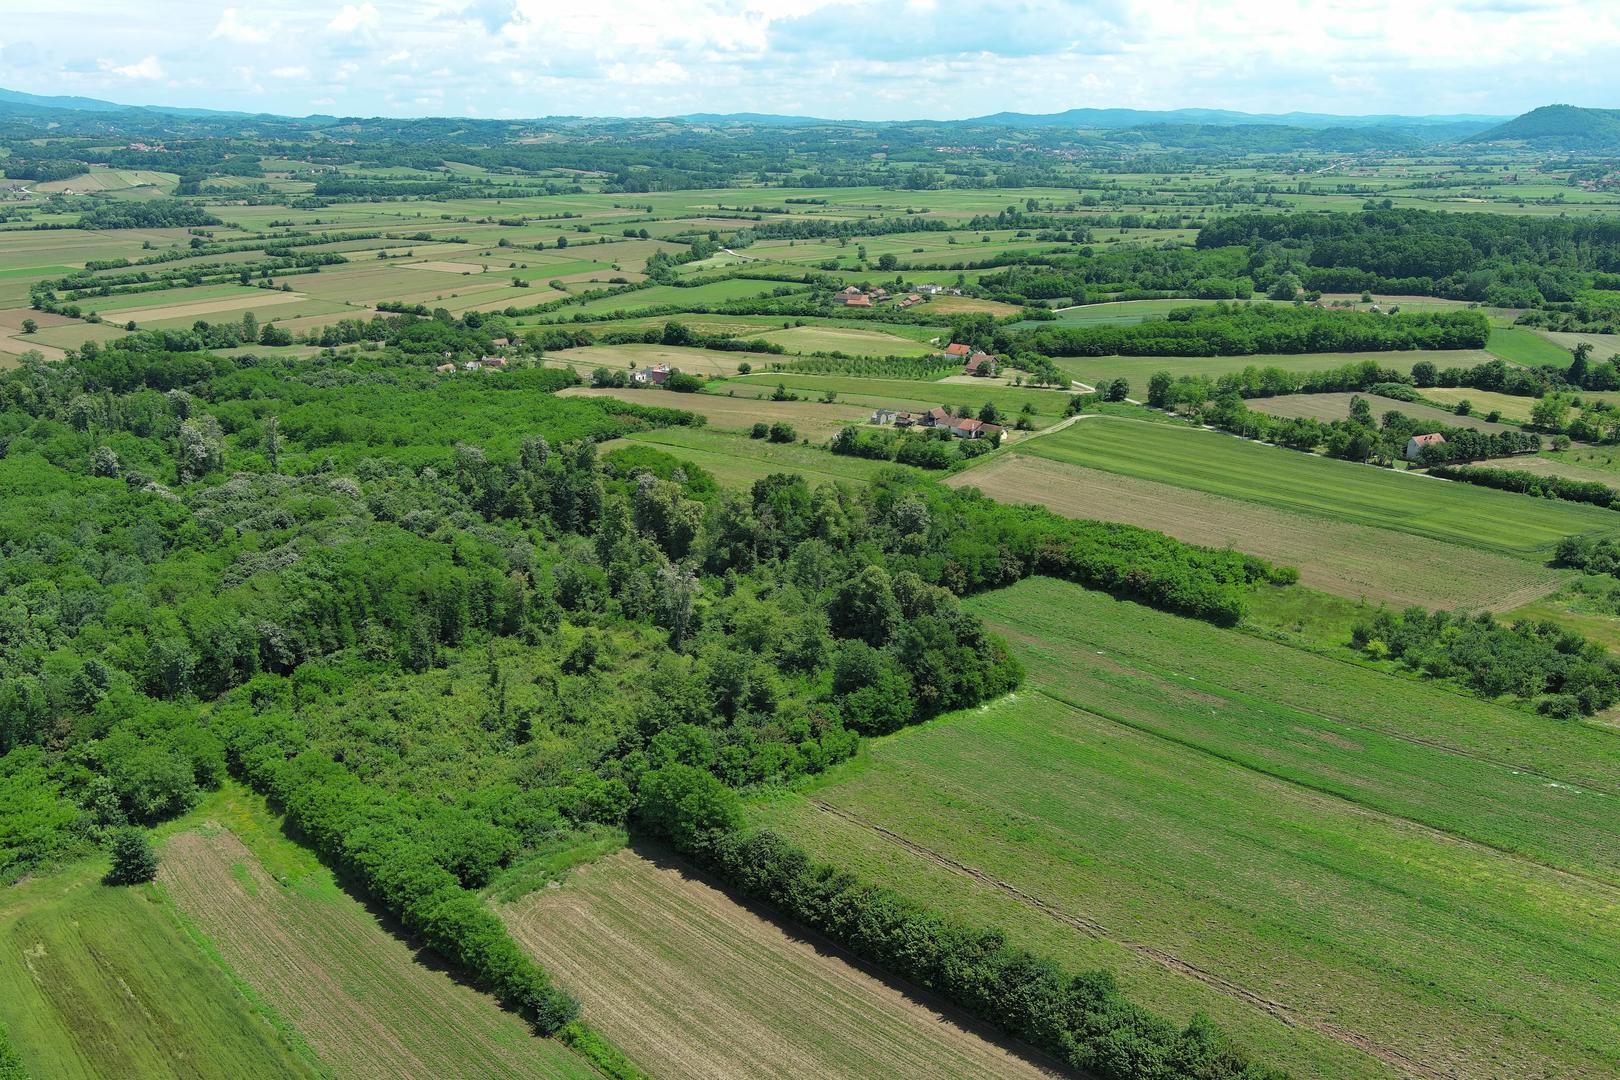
(809, 418)
(692, 983)
(1354, 561)
(625, 357)
(197, 309)
(967, 304)
(845, 339)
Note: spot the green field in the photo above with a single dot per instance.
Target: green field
(1526, 347)
(1247, 828)
(1138, 369)
(98, 981)
(1221, 464)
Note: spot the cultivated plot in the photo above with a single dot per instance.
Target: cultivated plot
(692, 983)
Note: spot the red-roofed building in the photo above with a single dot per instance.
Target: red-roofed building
(958, 351)
(857, 301)
(1415, 445)
(980, 363)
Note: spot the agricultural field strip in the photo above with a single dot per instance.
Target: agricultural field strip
(1351, 560)
(1284, 1013)
(1024, 826)
(695, 983)
(1143, 649)
(365, 999)
(1223, 464)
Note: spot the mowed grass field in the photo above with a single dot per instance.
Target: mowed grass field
(844, 339)
(692, 983)
(370, 1003)
(627, 357)
(106, 982)
(1355, 873)
(1221, 464)
(910, 394)
(1359, 562)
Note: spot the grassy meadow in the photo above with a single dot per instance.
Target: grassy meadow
(1265, 833)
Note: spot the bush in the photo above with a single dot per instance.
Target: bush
(133, 860)
(782, 432)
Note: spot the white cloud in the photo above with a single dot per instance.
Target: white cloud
(397, 57)
(147, 68)
(232, 28)
(297, 72)
(355, 17)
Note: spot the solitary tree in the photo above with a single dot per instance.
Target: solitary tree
(29, 326)
(133, 860)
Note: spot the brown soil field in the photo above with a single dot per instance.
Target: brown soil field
(809, 418)
(692, 983)
(368, 1003)
(1327, 407)
(1348, 560)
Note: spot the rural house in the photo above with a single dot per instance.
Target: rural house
(938, 416)
(928, 290)
(883, 416)
(858, 300)
(656, 375)
(1415, 445)
(969, 428)
(980, 363)
(957, 351)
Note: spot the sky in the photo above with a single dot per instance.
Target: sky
(844, 59)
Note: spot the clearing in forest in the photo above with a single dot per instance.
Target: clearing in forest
(817, 420)
(692, 983)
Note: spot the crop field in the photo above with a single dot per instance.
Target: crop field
(811, 419)
(1329, 407)
(1220, 464)
(692, 983)
(369, 1003)
(98, 981)
(1336, 846)
(1092, 370)
(1513, 409)
(807, 339)
(910, 394)
(1359, 562)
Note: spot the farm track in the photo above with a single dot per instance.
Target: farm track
(1282, 1012)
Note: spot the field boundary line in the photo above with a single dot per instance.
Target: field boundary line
(1282, 1012)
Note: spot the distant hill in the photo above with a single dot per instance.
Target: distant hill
(15, 101)
(1558, 127)
(1131, 118)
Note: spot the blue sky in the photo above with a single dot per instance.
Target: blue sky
(855, 59)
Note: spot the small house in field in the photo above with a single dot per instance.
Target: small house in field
(501, 343)
(980, 363)
(858, 300)
(969, 428)
(883, 416)
(492, 361)
(656, 375)
(957, 351)
(1415, 445)
(908, 301)
(938, 416)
